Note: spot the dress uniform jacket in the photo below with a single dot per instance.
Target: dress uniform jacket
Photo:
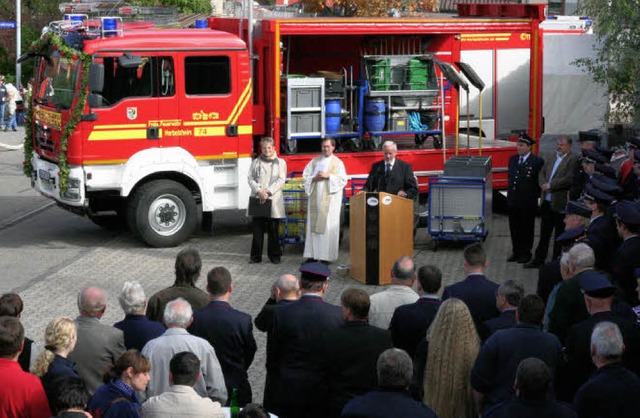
(625, 260)
(603, 237)
(139, 330)
(409, 323)
(400, 178)
(524, 188)
(611, 392)
(386, 403)
(230, 333)
(495, 368)
(349, 357)
(291, 368)
(264, 320)
(524, 408)
(580, 366)
(478, 293)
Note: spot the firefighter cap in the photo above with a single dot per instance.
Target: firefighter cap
(314, 271)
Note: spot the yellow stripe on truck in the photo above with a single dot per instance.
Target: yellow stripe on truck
(119, 135)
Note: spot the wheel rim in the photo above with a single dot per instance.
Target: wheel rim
(167, 215)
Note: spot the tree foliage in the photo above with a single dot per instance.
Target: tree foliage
(183, 6)
(373, 8)
(617, 61)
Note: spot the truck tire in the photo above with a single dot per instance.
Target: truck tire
(162, 213)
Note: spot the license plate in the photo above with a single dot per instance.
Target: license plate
(44, 175)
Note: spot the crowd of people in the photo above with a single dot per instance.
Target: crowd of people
(479, 349)
(9, 99)
(473, 348)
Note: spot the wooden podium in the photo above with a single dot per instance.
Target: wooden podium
(381, 231)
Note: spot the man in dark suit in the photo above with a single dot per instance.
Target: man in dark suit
(495, 367)
(522, 198)
(296, 333)
(476, 291)
(602, 235)
(348, 355)
(136, 327)
(507, 300)
(392, 175)
(555, 181)
(626, 258)
(598, 297)
(612, 391)
(229, 332)
(284, 291)
(99, 345)
(409, 323)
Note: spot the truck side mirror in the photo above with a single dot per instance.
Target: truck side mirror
(129, 61)
(96, 78)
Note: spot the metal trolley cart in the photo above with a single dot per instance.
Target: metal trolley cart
(458, 209)
(293, 226)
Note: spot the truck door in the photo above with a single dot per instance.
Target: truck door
(211, 104)
(127, 108)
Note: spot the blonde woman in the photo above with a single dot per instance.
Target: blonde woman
(60, 339)
(443, 362)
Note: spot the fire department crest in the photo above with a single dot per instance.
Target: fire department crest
(132, 113)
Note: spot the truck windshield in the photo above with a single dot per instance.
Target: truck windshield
(59, 79)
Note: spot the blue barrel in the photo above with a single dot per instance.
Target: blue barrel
(333, 112)
(201, 24)
(374, 114)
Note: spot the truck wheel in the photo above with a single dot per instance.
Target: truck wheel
(162, 213)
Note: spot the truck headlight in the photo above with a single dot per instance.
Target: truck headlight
(73, 190)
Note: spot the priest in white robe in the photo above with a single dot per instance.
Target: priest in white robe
(324, 180)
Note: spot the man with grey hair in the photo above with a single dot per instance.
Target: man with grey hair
(400, 292)
(509, 294)
(285, 290)
(99, 345)
(612, 391)
(569, 308)
(392, 398)
(178, 315)
(136, 327)
(392, 175)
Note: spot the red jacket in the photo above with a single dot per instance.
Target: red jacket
(21, 393)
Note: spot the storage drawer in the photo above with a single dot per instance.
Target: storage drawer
(305, 97)
(301, 123)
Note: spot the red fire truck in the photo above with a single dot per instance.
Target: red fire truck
(154, 127)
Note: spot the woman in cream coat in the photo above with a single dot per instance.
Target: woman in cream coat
(267, 175)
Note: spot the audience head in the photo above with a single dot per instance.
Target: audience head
(60, 337)
(286, 287)
(188, 266)
(218, 281)
(69, 394)
(178, 314)
(253, 410)
(533, 379)
(565, 266)
(607, 345)
(184, 368)
(132, 298)
(395, 369)
(403, 271)
(92, 301)
(11, 305)
(509, 294)
(355, 303)
(475, 257)
(132, 368)
(11, 337)
(429, 279)
(581, 257)
(530, 310)
(453, 347)
(313, 277)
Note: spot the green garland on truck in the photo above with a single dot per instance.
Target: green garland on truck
(42, 47)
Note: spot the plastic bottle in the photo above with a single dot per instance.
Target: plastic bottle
(234, 408)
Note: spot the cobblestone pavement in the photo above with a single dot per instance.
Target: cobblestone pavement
(123, 258)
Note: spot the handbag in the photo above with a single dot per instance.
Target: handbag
(259, 210)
